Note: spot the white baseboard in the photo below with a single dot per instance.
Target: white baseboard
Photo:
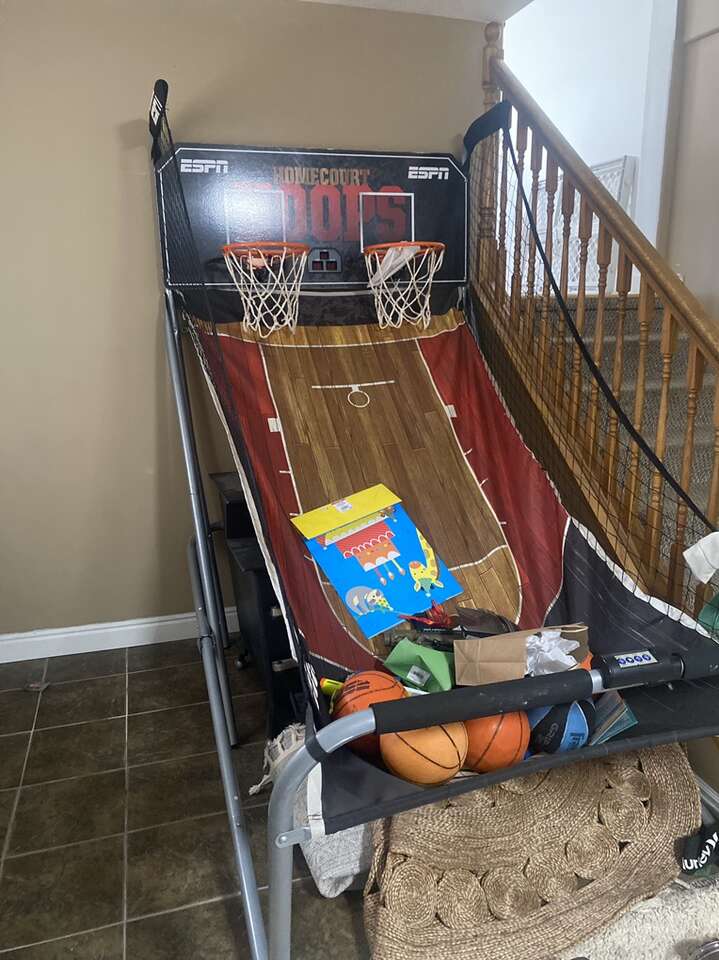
(38, 644)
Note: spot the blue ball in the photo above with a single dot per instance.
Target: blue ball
(567, 726)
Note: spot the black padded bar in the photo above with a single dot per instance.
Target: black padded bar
(157, 112)
(466, 703)
(701, 660)
(498, 118)
(618, 672)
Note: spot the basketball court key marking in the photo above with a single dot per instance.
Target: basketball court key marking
(356, 397)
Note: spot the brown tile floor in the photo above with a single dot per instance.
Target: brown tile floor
(113, 837)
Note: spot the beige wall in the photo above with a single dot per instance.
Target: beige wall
(701, 17)
(693, 188)
(94, 509)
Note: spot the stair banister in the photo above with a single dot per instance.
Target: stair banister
(686, 308)
(650, 337)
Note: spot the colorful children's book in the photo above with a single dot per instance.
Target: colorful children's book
(376, 559)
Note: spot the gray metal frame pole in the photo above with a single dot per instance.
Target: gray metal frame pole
(241, 845)
(203, 554)
(216, 592)
(198, 593)
(280, 823)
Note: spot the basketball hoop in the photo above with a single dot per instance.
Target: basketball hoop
(268, 277)
(400, 277)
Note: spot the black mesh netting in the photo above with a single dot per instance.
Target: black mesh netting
(591, 366)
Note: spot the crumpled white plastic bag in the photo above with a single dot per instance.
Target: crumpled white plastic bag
(549, 652)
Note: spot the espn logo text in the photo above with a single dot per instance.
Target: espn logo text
(424, 172)
(196, 165)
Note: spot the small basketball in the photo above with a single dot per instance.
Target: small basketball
(426, 757)
(565, 727)
(360, 691)
(497, 742)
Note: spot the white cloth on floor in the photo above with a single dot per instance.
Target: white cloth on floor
(703, 557)
(334, 861)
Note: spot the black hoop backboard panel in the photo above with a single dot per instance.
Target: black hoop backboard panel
(338, 202)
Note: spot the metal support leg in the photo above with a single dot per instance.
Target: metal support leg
(215, 603)
(219, 651)
(212, 628)
(240, 842)
(204, 561)
(280, 823)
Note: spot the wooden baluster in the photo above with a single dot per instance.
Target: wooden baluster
(567, 214)
(536, 158)
(487, 252)
(550, 185)
(568, 192)
(713, 503)
(585, 234)
(704, 590)
(624, 285)
(604, 258)
(516, 295)
(655, 519)
(646, 312)
(501, 277)
(487, 239)
(695, 380)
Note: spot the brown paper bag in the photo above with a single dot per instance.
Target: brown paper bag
(480, 660)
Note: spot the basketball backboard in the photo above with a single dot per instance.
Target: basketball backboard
(338, 202)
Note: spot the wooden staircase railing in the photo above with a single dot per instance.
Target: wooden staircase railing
(671, 339)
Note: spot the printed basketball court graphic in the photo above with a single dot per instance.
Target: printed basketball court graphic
(332, 410)
(396, 432)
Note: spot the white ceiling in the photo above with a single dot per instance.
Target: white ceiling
(482, 10)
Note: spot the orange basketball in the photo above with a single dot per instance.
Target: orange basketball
(586, 664)
(427, 757)
(497, 742)
(360, 691)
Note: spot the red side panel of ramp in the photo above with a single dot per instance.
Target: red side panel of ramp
(533, 519)
(255, 410)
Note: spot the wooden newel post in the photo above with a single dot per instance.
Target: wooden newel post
(485, 270)
(492, 51)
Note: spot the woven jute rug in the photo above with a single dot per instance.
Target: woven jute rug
(528, 868)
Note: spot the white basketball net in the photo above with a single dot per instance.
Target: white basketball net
(400, 277)
(268, 278)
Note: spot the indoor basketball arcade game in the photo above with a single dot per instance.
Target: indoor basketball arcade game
(323, 292)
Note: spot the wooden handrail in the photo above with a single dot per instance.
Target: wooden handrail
(645, 257)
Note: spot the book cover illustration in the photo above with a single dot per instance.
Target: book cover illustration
(376, 559)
